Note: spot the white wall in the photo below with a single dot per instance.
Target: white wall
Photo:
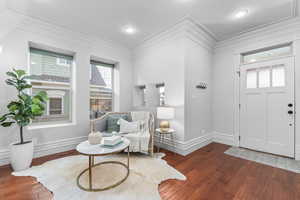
(225, 119)
(223, 95)
(181, 57)
(15, 54)
(164, 63)
(198, 69)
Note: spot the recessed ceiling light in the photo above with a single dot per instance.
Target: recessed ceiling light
(130, 30)
(241, 13)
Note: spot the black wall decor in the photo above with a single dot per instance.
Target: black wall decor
(202, 86)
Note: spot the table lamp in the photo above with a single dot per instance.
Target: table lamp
(165, 113)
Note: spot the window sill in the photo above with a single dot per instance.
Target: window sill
(43, 126)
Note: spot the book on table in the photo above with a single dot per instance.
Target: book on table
(112, 141)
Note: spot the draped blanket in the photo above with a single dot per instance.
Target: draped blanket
(139, 142)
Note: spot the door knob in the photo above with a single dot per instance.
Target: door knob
(290, 112)
(290, 105)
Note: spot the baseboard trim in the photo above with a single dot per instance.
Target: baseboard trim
(184, 147)
(223, 138)
(45, 149)
(297, 152)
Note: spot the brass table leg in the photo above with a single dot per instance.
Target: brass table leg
(90, 171)
(128, 157)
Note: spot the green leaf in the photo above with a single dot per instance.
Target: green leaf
(7, 124)
(13, 106)
(19, 72)
(35, 109)
(36, 100)
(42, 95)
(2, 119)
(25, 98)
(12, 74)
(24, 122)
(27, 86)
(11, 82)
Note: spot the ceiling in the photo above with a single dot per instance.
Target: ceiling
(105, 18)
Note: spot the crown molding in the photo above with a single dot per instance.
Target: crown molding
(286, 28)
(37, 26)
(185, 28)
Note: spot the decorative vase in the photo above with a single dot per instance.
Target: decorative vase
(95, 138)
(21, 155)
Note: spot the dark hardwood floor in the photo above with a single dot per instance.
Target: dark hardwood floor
(210, 173)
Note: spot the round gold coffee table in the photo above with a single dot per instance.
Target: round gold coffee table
(91, 151)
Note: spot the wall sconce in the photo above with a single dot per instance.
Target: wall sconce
(202, 86)
(141, 87)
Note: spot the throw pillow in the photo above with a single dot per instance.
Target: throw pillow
(129, 127)
(112, 122)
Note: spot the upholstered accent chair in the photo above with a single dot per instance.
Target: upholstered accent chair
(137, 139)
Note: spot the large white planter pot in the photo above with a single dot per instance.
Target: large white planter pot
(21, 156)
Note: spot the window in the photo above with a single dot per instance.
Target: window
(101, 88)
(264, 78)
(47, 75)
(55, 106)
(63, 62)
(278, 76)
(251, 79)
(161, 91)
(267, 53)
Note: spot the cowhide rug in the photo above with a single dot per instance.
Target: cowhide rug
(146, 173)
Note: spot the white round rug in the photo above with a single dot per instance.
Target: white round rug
(146, 173)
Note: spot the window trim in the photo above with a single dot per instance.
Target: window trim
(92, 86)
(66, 54)
(266, 49)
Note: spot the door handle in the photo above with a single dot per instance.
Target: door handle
(290, 112)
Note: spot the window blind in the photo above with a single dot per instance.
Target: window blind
(50, 53)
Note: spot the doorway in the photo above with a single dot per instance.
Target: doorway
(267, 108)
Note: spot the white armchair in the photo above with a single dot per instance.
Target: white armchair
(137, 140)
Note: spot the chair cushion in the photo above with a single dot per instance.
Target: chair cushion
(129, 127)
(112, 122)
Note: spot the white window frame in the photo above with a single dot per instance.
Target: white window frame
(61, 86)
(95, 87)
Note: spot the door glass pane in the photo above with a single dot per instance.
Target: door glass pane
(278, 76)
(264, 78)
(251, 79)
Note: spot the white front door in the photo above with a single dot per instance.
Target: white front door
(267, 106)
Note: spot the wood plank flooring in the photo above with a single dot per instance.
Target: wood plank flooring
(210, 173)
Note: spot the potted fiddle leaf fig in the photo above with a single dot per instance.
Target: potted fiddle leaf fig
(21, 112)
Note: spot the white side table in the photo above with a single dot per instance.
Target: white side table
(162, 136)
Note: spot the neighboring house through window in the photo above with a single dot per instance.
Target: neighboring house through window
(161, 91)
(51, 72)
(101, 88)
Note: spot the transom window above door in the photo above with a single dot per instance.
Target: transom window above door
(266, 53)
(266, 77)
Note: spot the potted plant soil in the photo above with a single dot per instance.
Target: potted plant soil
(21, 112)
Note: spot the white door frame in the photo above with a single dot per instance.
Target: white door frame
(237, 66)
